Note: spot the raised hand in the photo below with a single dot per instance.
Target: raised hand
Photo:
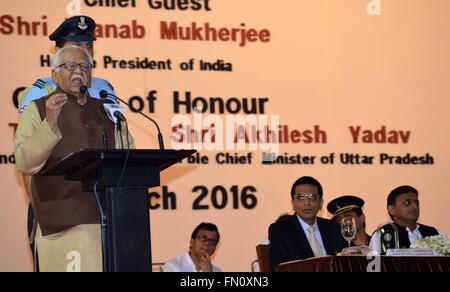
(53, 107)
(205, 263)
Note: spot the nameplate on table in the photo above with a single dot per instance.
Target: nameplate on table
(411, 253)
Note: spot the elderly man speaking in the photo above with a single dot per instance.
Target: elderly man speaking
(68, 237)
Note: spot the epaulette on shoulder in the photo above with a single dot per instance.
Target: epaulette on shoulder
(39, 84)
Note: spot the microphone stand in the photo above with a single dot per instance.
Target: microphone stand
(105, 94)
(84, 90)
(119, 134)
(103, 220)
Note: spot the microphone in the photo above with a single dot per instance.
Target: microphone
(84, 90)
(114, 112)
(105, 94)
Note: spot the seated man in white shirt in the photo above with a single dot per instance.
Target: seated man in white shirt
(203, 243)
(404, 210)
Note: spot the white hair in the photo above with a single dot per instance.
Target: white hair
(57, 60)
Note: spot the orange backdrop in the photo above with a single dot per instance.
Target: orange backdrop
(331, 64)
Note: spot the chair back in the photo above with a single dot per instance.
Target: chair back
(263, 253)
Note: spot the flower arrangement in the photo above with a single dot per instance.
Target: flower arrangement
(438, 243)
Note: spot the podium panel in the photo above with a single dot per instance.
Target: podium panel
(126, 226)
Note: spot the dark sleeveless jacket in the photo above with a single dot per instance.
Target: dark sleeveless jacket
(62, 204)
(424, 230)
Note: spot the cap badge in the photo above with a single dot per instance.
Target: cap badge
(82, 23)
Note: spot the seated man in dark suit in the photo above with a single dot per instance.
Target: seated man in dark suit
(404, 210)
(304, 235)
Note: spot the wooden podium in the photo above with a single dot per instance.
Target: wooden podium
(126, 236)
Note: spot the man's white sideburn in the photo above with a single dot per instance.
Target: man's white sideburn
(54, 72)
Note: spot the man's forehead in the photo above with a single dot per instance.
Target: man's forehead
(409, 195)
(348, 213)
(306, 187)
(207, 233)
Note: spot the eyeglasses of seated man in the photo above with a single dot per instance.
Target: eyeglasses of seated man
(212, 242)
(407, 202)
(304, 197)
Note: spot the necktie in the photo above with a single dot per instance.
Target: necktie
(314, 243)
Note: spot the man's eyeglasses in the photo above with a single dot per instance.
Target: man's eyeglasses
(408, 202)
(209, 241)
(304, 197)
(72, 66)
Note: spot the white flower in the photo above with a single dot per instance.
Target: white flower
(438, 243)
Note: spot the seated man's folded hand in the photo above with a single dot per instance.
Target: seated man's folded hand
(355, 251)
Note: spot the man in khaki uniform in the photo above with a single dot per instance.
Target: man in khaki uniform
(68, 236)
